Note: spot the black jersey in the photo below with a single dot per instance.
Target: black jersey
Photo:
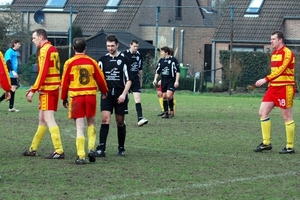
(115, 70)
(136, 63)
(167, 67)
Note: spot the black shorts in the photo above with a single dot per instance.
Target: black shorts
(135, 86)
(110, 103)
(14, 81)
(167, 85)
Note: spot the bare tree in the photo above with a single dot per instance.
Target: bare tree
(234, 72)
(11, 26)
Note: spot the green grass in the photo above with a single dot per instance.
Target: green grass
(204, 152)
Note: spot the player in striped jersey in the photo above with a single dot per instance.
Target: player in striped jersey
(81, 79)
(280, 93)
(47, 85)
(4, 77)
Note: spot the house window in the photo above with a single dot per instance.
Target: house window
(55, 3)
(112, 6)
(248, 48)
(178, 8)
(255, 7)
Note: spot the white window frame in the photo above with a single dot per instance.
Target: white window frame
(112, 6)
(55, 3)
(255, 7)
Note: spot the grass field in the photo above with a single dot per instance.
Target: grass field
(204, 152)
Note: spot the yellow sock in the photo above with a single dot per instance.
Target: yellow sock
(80, 141)
(41, 130)
(91, 137)
(290, 131)
(55, 136)
(161, 103)
(266, 130)
(174, 103)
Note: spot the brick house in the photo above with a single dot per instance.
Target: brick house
(253, 23)
(186, 26)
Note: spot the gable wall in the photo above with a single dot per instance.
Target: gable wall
(292, 29)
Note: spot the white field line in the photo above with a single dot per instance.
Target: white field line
(70, 133)
(197, 186)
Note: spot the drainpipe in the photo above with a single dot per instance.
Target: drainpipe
(213, 63)
(181, 45)
(70, 31)
(173, 38)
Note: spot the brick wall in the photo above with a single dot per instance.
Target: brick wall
(59, 22)
(292, 28)
(194, 40)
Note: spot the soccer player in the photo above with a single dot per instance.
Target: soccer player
(280, 93)
(4, 78)
(169, 70)
(116, 69)
(160, 100)
(11, 59)
(80, 79)
(47, 85)
(136, 69)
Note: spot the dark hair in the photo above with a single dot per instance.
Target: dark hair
(79, 45)
(279, 34)
(14, 41)
(171, 52)
(134, 41)
(166, 49)
(41, 32)
(112, 38)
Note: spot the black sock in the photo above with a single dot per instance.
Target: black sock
(138, 107)
(12, 99)
(121, 136)
(103, 136)
(171, 104)
(2, 97)
(166, 105)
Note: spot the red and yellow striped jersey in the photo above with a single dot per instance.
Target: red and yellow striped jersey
(282, 68)
(81, 76)
(4, 77)
(48, 78)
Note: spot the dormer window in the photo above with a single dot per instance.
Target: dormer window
(112, 6)
(255, 7)
(55, 5)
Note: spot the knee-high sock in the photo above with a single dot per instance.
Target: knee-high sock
(103, 136)
(290, 132)
(160, 100)
(121, 135)
(266, 130)
(80, 141)
(91, 137)
(40, 132)
(166, 109)
(139, 111)
(2, 97)
(12, 99)
(171, 104)
(56, 140)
